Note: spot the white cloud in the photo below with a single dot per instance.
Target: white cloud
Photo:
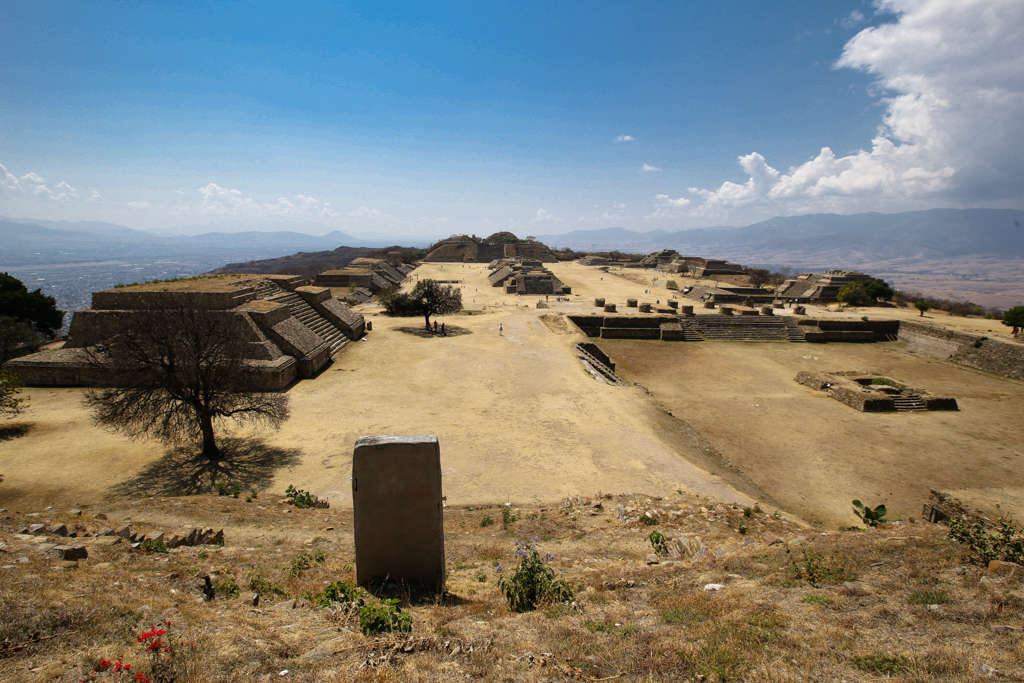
(953, 76)
(668, 207)
(648, 167)
(95, 197)
(141, 204)
(33, 185)
(620, 206)
(625, 138)
(542, 216)
(855, 19)
(372, 214)
(226, 202)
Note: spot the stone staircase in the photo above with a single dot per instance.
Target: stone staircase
(607, 373)
(689, 333)
(908, 402)
(308, 316)
(793, 331)
(265, 289)
(740, 328)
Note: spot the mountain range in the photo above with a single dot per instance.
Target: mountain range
(828, 239)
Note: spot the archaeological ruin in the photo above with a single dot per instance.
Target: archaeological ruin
(871, 392)
(293, 329)
(525, 276)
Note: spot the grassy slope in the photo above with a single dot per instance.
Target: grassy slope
(633, 621)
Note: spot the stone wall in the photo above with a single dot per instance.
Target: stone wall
(993, 356)
(931, 340)
(128, 298)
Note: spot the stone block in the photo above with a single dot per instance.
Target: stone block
(599, 303)
(645, 308)
(609, 308)
(124, 532)
(672, 303)
(70, 552)
(709, 304)
(396, 499)
(59, 530)
(686, 310)
(630, 303)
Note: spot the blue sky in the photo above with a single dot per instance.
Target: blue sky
(545, 117)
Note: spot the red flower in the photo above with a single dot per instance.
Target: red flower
(104, 663)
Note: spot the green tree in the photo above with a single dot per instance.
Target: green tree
(922, 306)
(853, 294)
(879, 289)
(34, 308)
(16, 338)
(430, 297)
(10, 387)
(172, 374)
(1014, 317)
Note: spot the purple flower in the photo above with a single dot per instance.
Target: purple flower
(497, 568)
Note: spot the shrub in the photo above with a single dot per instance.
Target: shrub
(486, 522)
(304, 561)
(299, 498)
(979, 341)
(260, 585)
(817, 570)
(987, 543)
(817, 600)
(928, 598)
(507, 518)
(153, 546)
(881, 664)
(671, 284)
(231, 489)
(867, 515)
(658, 542)
(229, 588)
(384, 617)
(338, 592)
(533, 582)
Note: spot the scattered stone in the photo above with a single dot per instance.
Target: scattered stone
(253, 599)
(35, 528)
(124, 532)
(1005, 570)
(217, 538)
(76, 511)
(23, 560)
(155, 536)
(70, 552)
(102, 566)
(101, 516)
(106, 531)
(985, 669)
(768, 538)
(855, 588)
(713, 587)
(748, 541)
(283, 605)
(59, 530)
(653, 559)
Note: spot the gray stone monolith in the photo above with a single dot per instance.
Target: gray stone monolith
(396, 500)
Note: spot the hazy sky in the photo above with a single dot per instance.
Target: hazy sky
(412, 119)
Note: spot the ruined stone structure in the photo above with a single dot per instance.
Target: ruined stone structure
(398, 509)
(818, 287)
(870, 392)
(725, 293)
(370, 274)
(526, 276)
(292, 330)
(670, 261)
(464, 249)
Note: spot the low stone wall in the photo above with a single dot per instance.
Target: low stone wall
(127, 299)
(672, 332)
(595, 351)
(993, 356)
(931, 340)
(851, 396)
(815, 335)
(631, 332)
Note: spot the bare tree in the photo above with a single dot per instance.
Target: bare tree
(171, 374)
(758, 276)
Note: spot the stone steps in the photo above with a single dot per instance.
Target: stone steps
(741, 328)
(909, 403)
(600, 367)
(309, 317)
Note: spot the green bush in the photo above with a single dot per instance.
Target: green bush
(304, 561)
(507, 518)
(533, 582)
(671, 284)
(258, 584)
(229, 588)
(1002, 543)
(153, 546)
(232, 489)
(299, 498)
(338, 592)
(384, 617)
(928, 598)
(881, 664)
(658, 541)
(486, 522)
(867, 515)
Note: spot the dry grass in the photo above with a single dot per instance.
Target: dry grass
(911, 608)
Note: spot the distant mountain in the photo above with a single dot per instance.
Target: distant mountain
(829, 238)
(36, 242)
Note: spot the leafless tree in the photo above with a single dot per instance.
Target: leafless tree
(171, 374)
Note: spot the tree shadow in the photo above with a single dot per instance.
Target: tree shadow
(184, 472)
(15, 430)
(450, 331)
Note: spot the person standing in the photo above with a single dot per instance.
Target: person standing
(443, 332)
(499, 330)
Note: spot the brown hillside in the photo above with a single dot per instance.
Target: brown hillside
(532, 250)
(449, 252)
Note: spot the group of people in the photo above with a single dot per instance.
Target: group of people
(443, 332)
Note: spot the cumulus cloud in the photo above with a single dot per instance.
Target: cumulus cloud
(542, 216)
(95, 197)
(648, 167)
(625, 138)
(855, 19)
(33, 186)
(667, 207)
(228, 202)
(140, 204)
(951, 73)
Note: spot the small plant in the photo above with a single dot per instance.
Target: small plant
(815, 599)
(979, 341)
(879, 664)
(671, 284)
(258, 584)
(338, 592)
(817, 570)
(299, 498)
(658, 541)
(507, 518)
(928, 598)
(304, 561)
(742, 529)
(486, 522)
(867, 515)
(384, 617)
(864, 318)
(232, 489)
(747, 512)
(228, 587)
(156, 545)
(647, 519)
(533, 582)
(203, 554)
